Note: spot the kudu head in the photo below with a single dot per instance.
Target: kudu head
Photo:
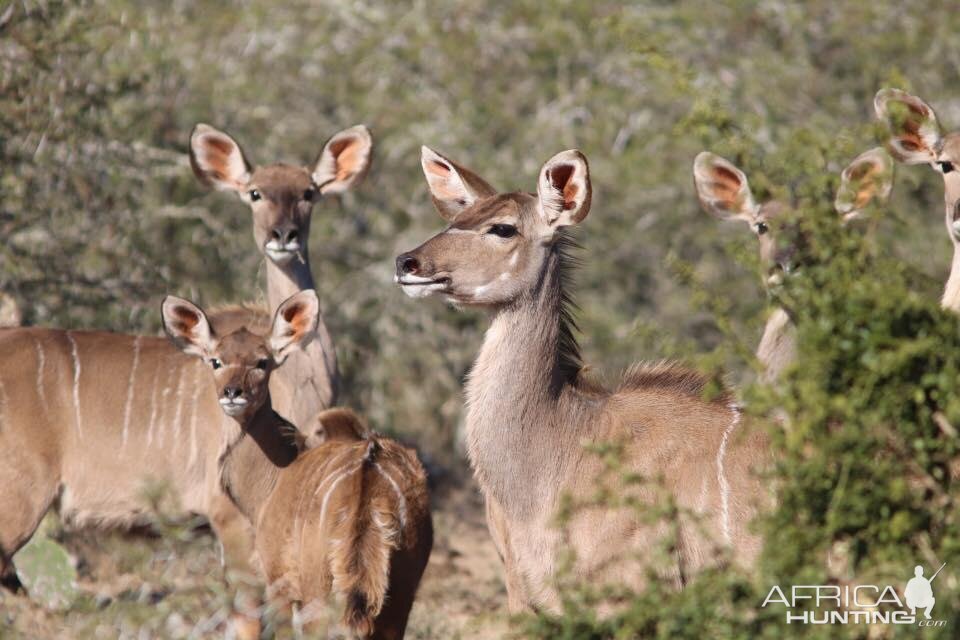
(241, 362)
(496, 245)
(724, 192)
(281, 196)
(915, 137)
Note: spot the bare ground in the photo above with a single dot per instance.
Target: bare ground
(170, 586)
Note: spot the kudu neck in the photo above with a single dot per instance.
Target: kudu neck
(251, 464)
(951, 293)
(518, 394)
(292, 277)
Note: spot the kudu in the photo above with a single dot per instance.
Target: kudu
(281, 197)
(96, 418)
(530, 410)
(915, 137)
(350, 516)
(724, 192)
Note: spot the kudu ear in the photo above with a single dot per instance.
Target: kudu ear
(722, 188)
(217, 160)
(344, 160)
(913, 126)
(868, 177)
(452, 187)
(294, 324)
(564, 189)
(187, 326)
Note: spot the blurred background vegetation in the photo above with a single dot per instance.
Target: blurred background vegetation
(101, 216)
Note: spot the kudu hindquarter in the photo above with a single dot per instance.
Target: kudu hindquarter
(349, 517)
(530, 409)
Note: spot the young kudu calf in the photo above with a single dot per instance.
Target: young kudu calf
(281, 197)
(916, 138)
(530, 410)
(350, 516)
(724, 192)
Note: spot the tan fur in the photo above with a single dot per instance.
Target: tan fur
(100, 419)
(309, 381)
(530, 411)
(349, 517)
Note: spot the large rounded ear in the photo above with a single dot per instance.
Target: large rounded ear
(294, 324)
(564, 189)
(913, 126)
(453, 188)
(868, 177)
(187, 326)
(217, 159)
(722, 188)
(344, 160)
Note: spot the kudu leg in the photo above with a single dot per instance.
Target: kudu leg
(237, 541)
(29, 490)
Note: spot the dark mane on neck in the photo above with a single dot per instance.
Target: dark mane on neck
(569, 362)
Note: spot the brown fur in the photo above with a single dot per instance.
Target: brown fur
(350, 517)
(309, 382)
(529, 412)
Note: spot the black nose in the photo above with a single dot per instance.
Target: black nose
(284, 235)
(407, 264)
(232, 393)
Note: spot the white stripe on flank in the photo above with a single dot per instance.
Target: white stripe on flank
(179, 413)
(76, 382)
(3, 406)
(153, 403)
(402, 502)
(333, 485)
(41, 368)
(193, 413)
(133, 375)
(164, 410)
(722, 476)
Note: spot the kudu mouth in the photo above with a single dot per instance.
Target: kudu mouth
(233, 406)
(282, 254)
(419, 286)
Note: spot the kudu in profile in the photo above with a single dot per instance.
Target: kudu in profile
(915, 137)
(350, 516)
(725, 193)
(281, 197)
(530, 410)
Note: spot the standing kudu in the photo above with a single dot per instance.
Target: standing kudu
(281, 197)
(96, 418)
(350, 516)
(916, 138)
(530, 410)
(724, 192)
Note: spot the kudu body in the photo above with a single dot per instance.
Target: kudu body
(530, 410)
(350, 516)
(95, 419)
(916, 138)
(281, 198)
(724, 192)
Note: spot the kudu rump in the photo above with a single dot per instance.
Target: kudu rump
(724, 192)
(350, 516)
(530, 409)
(94, 418)
(281, 197)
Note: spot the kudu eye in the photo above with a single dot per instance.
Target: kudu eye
(503, 230)
(262, 364)
(761, 228)
(946, 167)
(254, 195)
(309, 194)
(215, 363)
